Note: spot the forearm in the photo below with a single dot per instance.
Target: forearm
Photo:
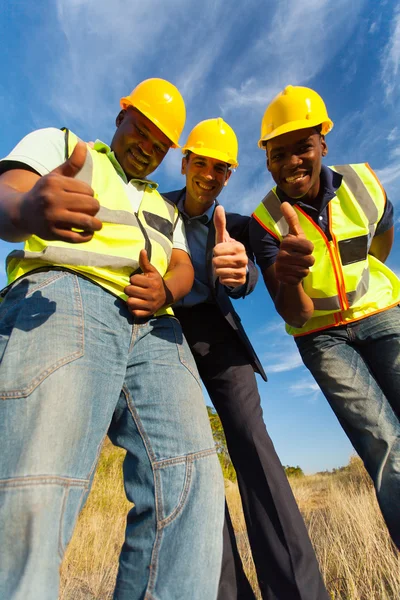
(178, 282)
(10, 211)
(293, 304)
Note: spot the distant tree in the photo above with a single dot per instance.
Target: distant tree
(293, 471)
(220, 444)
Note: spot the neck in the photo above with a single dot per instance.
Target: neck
(193, 208)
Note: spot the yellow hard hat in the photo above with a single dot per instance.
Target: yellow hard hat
(161, 102)
(294, 108)
(213, 138)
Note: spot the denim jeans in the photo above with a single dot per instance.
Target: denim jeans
(357, 367)
(74, 367)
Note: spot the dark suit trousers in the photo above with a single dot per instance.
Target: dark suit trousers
(285, 562)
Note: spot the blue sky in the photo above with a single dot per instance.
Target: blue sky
(67, 62)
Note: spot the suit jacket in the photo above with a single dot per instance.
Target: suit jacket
(238, 228)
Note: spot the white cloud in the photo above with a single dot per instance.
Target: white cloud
(305, 387)
(393, 135)
(284, 362)
(391, 59)
(292, 49)
(389, 174)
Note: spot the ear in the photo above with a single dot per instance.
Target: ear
(120, 117)
(324, 146)
(228, 175)
(184, 165)
(266, 155)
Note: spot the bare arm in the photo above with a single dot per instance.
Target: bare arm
(291, 301)
(50, 206)
(382, 244)
(13, 185)
(179, 277)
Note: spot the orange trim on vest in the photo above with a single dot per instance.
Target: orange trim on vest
(333, 262)
(341, 322)
(343, 296)
(264, 227)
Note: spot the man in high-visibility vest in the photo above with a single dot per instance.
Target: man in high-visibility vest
(285, 562)
(321, 238)
(79, 359)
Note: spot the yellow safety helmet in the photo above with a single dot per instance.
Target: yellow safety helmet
(213, 138)
(294, 108)
(161, 102)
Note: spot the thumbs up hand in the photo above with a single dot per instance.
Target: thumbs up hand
(295, 257)
(59, 203)
(146, 292)
(230, 259)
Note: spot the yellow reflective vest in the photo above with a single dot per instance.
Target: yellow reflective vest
(112, 255)
(345, 283)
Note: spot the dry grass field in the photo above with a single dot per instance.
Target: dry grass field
(356, 556)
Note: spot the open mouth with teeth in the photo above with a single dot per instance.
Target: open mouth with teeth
(204, 187)
(137, 157)
(297, 178)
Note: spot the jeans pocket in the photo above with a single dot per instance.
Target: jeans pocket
(41, 329)
(172, 488)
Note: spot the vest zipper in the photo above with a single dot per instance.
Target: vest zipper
(332, 257)
(343, 296)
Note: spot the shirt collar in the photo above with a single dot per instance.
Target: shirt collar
(204, 218)
(330, 182)
(100, 146)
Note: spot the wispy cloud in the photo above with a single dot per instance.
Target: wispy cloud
(284, 362)
(391, 59)
(306, 387)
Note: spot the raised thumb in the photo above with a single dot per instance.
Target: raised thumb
(221, 235)
(144, 263)
(291, 218)
(73, 164)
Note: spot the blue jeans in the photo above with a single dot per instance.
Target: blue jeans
(357, 367)
(75, 367)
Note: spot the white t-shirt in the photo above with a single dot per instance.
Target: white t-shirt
(44, 149)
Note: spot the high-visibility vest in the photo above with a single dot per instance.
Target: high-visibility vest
(345, 283)
(112, 255)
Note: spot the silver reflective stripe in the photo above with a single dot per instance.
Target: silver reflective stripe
(171, 209)
(273, 206)
(359, 191)
(119, 217)
(68, 256)
(331, 303)
(362, 288)
(160, 239)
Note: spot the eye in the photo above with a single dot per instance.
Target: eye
(277, 156)
(306, 148)
(140, 132)
(159, 150)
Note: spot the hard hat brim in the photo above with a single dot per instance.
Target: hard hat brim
(211, 153)
(126, 101)
(295, 126)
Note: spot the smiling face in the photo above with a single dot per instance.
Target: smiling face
(138, 144)
(205, 178)
(294, 160)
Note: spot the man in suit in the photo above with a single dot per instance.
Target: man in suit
(284, 558)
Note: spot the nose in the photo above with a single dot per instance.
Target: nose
(146, 146)
(208, 173)
(293, 161)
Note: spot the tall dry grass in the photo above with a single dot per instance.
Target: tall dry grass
(356, 556)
